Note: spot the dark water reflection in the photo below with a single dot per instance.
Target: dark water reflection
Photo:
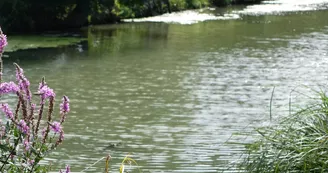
(174, 94)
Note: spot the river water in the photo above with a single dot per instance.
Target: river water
(180, 98)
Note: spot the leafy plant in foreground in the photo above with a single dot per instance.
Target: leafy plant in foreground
(29, 133)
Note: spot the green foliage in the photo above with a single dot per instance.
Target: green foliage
(131, 9)
(298, 143)
(122, 10)
(37, 15)
(178, 5)
(198, 3)
(22, 15)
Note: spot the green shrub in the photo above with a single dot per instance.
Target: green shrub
(177, 5)
(198, 3)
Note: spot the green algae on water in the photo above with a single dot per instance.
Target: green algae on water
(34, 41)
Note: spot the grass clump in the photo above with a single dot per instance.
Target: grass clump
(298, 143)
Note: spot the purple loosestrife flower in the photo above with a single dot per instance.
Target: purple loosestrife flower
(33, 105)
(23, 82)
(42, 84)
(43, 133)
(64, 106)
(68, 170)
(3, 42)
(46, 92)
(22, 126)
(56, 127)
(5, 108)
(64, 109)
(26, 144)
(8, 87)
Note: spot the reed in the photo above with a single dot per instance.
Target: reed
(298, 143)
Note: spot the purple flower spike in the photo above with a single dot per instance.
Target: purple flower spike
(23, 82)
(43, 132)
(68, 169)
(8, 87)
(33, 106)
(19, 72)
(56, 127)
(3, 42)
(5, 108)
(22, 126)
(46, 92)
(64, 106)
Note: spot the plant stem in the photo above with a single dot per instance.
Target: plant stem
(12, 151)
(1, 62)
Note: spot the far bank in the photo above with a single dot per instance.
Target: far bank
(28, 16)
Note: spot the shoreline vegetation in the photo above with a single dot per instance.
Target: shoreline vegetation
(23, 16)
(297, 143)
(62, 16)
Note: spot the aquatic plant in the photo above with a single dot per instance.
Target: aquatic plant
(22, 144)
(128, 161)
(298, 143)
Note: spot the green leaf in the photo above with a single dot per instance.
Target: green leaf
(4, 162)
(4, 148)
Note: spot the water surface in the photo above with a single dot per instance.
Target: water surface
(173, 95)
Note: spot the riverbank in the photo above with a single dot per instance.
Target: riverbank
(20, 17)
(58, 39)
(53, 39)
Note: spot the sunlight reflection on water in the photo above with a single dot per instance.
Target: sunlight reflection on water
(266, 7)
